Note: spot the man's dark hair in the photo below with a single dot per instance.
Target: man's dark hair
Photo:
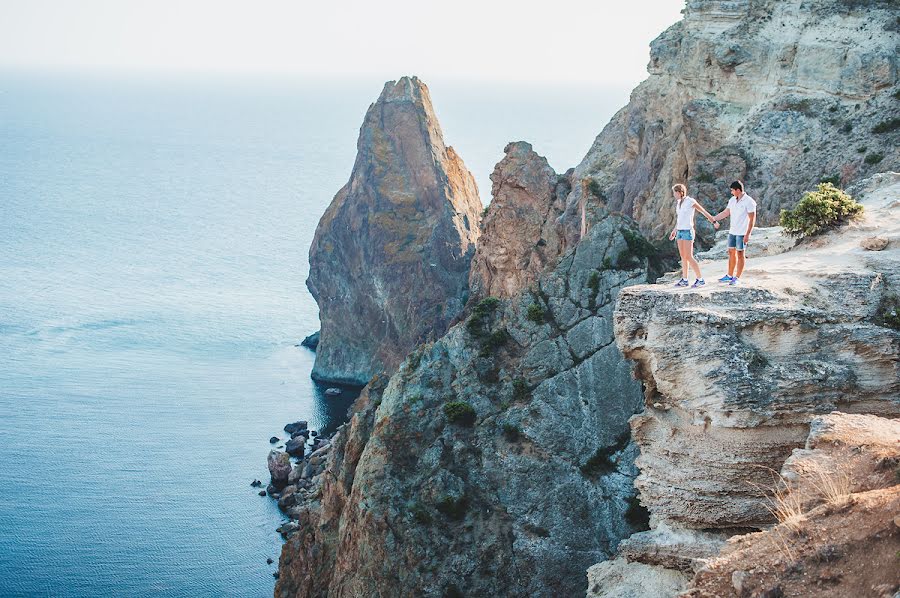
(737, 185)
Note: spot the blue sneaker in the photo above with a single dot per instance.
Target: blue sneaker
(725, 278)
(734, 281)
(682, 283)
(698, 283)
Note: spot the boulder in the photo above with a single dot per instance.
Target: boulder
(296, 427)
(296, 446)
(279, 468)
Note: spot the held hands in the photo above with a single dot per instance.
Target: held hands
(672, 236)
(716, 224)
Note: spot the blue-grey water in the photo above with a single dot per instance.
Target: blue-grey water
(153, 252)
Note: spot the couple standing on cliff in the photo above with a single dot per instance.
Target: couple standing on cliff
(742, 211)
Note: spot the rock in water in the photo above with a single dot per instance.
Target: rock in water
(296, 447)
(311, 341)
(389, 263)
(279, 468)
(296, 427)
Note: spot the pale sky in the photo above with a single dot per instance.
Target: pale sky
(561, 40)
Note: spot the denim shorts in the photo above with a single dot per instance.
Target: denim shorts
(684, 235)
(736, 242)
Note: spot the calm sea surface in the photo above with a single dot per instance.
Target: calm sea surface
(153, 252)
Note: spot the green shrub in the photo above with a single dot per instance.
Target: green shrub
(637, 244)
(601, 461)
(834, 179)
(889, 312)
(484, 212)
(819, 211)
(861, 149)
(416, 398)
(638, 248)
(454, 508)
(420, 514)
(494, 341)
(803, 106)
(512, 433)
(594, 286)
(460, 412)
(486, 306)
(887, 126)
(704, 177)
(607, 263)
(536, 313)
(594, 187)
(873, 158)
(520, 390)
(483, 310)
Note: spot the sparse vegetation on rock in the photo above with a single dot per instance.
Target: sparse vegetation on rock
(820, 211)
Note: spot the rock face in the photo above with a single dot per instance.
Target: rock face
(520, 235)
(737, 379)
(496, 461)
(733, 376)
(777, 93)
(843, 539)
(389, 262)
(766, 241)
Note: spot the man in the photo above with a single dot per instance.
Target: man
(742, 210)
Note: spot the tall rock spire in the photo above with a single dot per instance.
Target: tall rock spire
(389, 262)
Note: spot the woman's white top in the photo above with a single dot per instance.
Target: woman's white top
(685, 213)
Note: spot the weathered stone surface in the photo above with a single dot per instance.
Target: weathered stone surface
(519, 233)
(838, 538)
(279, 468)
(733, 376)
(764, 241)
(855, 453)
(874, 243)
(673, 548)
(778, 93)
(519, 503)
(619, 578)
(389, 263)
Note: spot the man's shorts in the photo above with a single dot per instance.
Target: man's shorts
(736, 242)
(684, 235)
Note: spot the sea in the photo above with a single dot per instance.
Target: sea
(154, 234)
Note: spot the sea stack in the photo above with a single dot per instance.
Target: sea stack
(389, 263)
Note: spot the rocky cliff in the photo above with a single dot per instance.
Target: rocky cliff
(389, 263)
(496, 461)
(520, 232)
(733, 376)
(779, 94)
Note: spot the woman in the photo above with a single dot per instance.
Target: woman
(684, 232)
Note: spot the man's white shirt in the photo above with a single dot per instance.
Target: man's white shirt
(740, 211)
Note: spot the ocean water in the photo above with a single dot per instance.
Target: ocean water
(153, 252)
